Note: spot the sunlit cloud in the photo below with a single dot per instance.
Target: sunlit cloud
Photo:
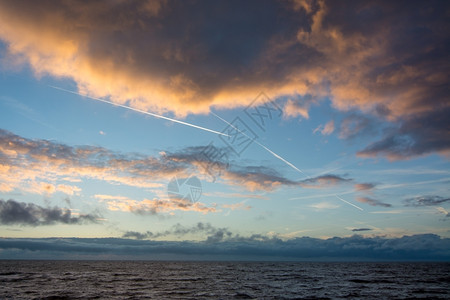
(372, 202)
(364, 186)
(326, 129)
(388, 68)
(153, 206)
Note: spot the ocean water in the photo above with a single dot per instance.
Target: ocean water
(221, 280)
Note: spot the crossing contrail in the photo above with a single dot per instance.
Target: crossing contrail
(261, 145)
(348, 202)
(140, 111)
(279, 157)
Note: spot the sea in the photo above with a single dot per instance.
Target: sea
(222, 280)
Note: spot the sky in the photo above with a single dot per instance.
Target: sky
(225, 129)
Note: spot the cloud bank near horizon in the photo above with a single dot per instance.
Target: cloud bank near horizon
(407, 248)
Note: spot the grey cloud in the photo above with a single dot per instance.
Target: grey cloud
(29, 214)
(406, 248)
(417, 135)
(361, 229)
(212, 233)
(426, 201)
(356, 125)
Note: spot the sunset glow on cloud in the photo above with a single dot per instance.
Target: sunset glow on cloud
(333, 115)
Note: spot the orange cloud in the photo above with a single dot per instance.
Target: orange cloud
(141, 53)
(237, 206)
(134, 53)
(155, 206)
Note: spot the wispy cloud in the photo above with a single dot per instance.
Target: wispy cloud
(154, 206)
(35, 165)
(430, 200)
(326, 129)
(237, 206)
(324, 205)
(372, 202)
(355, 125)
(361, 229)
(364, 186)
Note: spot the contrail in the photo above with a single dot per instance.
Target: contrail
(261, 145)
(280, 158)
(348, 202)
(140, 111)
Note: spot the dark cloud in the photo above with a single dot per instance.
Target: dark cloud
(20, 213)
(372, 202)
(426, 201)
(416, 247)
(384, 59)
(212, 233)
(356, 125)
(416, 135)
(361, 229)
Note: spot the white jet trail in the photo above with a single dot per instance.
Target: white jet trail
(261, 145)
(280, 158)
(348, 202)
(140, 111)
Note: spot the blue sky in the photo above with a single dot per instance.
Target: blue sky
(355, 121)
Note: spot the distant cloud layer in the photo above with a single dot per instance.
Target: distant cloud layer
(29, 214)
(416, 247)
(385, 59)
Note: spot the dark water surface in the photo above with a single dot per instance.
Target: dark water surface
(221, 280)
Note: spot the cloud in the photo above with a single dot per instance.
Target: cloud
(356, 125)
(34, 165)
(326, 129)
(237, 206)
(29, 214)
(361, 229)
(416, 135)
(372, 202)
(364, 186)
(298, 107)
(253, 178)
(324, 205)
(212, 233)
(382, 59)
(152, 56)
(154, 206)
(406, 248)
(444, 212)
(426, 201)
(323, 181)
